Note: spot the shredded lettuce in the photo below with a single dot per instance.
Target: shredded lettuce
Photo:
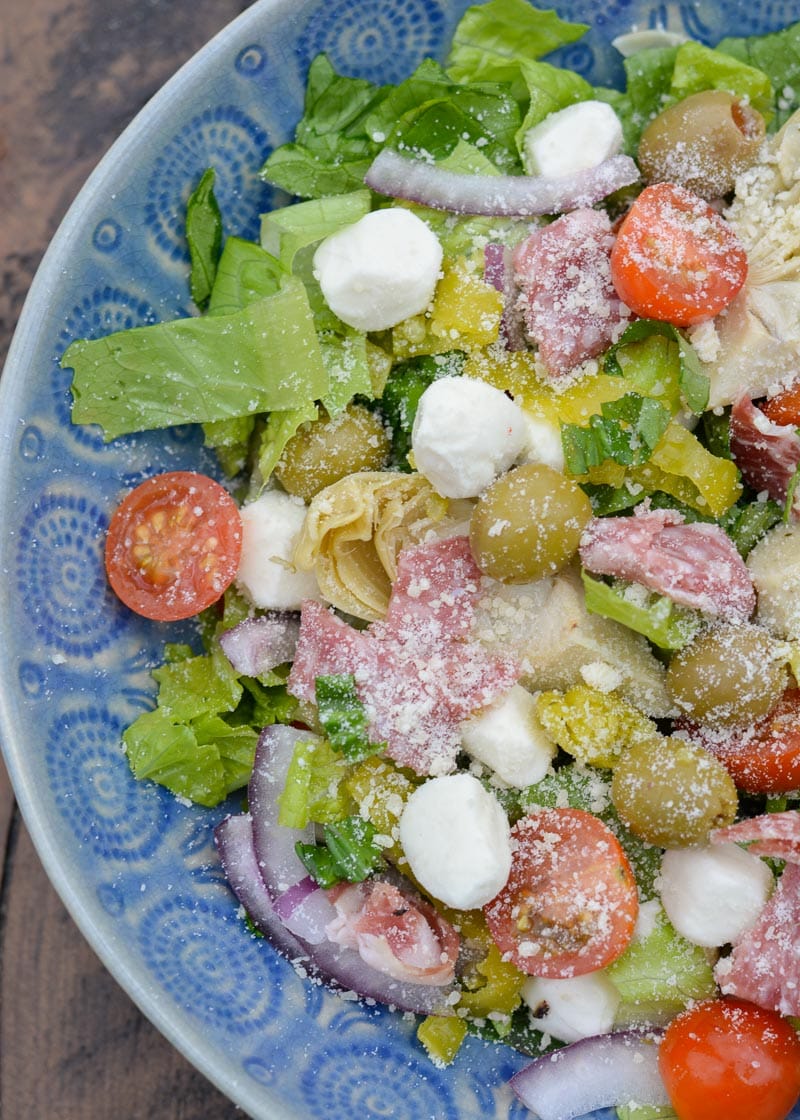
(658, 974)
(626, 432)
(667, 625)
(204, 237)
(314, 789)
(348, 853)
(343, 718)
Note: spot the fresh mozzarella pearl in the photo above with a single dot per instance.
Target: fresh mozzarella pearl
(713, 894)
(573, 139)
(508, 738)
(578, 1007)
(456, 839)
(270, 527)
(466, 433)
(542, 443)
(380, 270)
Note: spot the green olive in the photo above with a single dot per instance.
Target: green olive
(672, 793)
(729, 674)
(325, 450)
(528, 524)
(702, 143)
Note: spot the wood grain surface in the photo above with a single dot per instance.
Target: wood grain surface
(72, 74)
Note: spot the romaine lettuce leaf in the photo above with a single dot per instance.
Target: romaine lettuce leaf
(778, 55)
(492, 38)
(290, 228)
(549, 89)
(666, 624)
(698, 67)
(264, 357)
(245, 274)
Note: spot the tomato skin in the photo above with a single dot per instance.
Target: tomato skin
(173, 545)
(675, 259)
(570, 903)
(764, 758)
(784, 408)
(727, 1059)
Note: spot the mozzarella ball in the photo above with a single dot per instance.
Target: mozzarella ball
(508, 738)
(456, 839)
(466, 433)
(380, 270)
(542, 442)
(713, 894)
(578, 1007)
(270, 528)
(574, 139)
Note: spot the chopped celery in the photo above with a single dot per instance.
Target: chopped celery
(667, 625)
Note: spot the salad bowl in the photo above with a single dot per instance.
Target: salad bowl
(135, 866)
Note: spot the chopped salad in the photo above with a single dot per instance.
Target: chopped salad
(498, 597)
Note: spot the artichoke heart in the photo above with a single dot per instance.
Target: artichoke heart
(355, 529)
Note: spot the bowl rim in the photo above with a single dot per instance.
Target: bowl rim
(252, 1098)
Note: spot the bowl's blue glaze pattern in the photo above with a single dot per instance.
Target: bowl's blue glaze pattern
(137, 868)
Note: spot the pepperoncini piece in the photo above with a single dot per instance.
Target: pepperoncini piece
(594, 727)
(442, 1035)
(380, 791)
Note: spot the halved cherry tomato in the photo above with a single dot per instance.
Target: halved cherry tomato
(726, 1059)
(570, 903)
(173, 545)
(784, 408)
(764, 758)
(675, 258)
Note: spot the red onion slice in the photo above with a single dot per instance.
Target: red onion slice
(593, 1073)
(257, 645)
(234, 840)
(499, 272)
(305, 914)
(501, 195)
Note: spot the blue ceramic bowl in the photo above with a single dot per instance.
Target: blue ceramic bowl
(137, 869)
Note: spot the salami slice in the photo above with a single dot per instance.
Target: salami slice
(766, 453)
(417, 672)
(771, 834)
(695, 564)
(570, 307)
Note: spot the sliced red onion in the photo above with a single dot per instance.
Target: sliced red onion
(234, 840)
(499, 272)
(501, 195)
(257, 645)
(593, 1073)
(306, 913)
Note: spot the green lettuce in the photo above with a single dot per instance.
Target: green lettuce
(204, 237)
(698, 68)
(666, 624)
(287, 230)
(314, 788)
(778, 55)
(245, 274)
(264, 357)
(491, 39)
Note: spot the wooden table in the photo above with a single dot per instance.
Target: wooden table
(72, 74)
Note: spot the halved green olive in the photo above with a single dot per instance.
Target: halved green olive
(528, 524)
(729, 674)
(702, 143)
(672, 793)
(325, 450)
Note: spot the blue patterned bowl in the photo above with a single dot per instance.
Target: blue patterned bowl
(136, 868)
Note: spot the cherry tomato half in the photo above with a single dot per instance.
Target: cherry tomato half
(173, 545)
(570, 903)
(675, 258)
(726, 1059)
(764, 758)
(784, 408)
